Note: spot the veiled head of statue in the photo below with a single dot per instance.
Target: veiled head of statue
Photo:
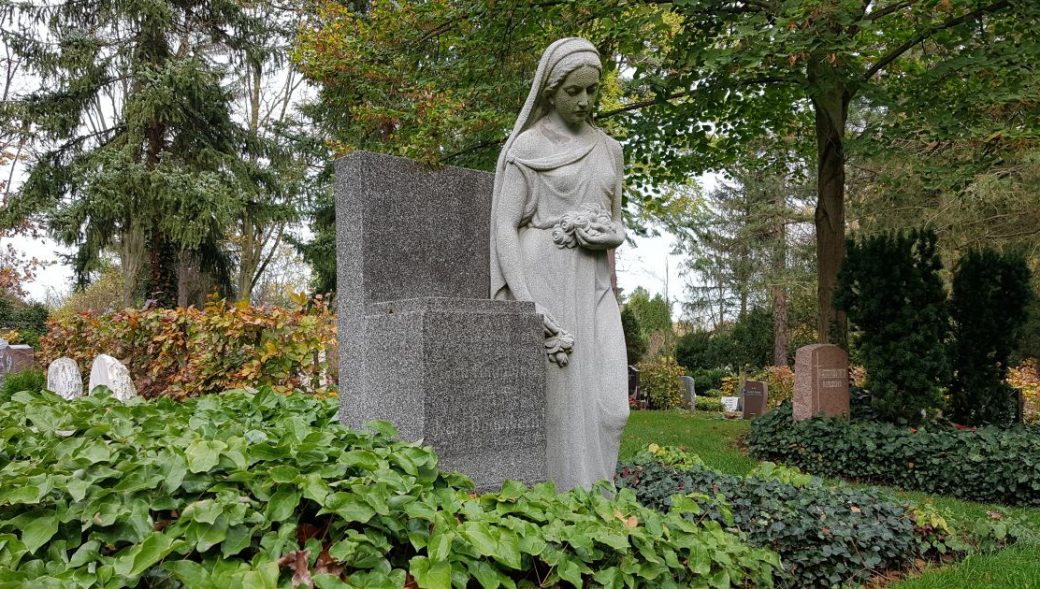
(582, 53)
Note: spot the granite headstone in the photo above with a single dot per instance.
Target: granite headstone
(821, 381)
(421, 345)
(65, 379)
(109, 372)
(755, 394)
(689, 392)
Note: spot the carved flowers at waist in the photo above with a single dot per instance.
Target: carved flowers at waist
(563, 232)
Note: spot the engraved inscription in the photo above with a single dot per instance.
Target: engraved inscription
(831, 373)
(832, 384)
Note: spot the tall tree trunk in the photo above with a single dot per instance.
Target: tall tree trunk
(779, 289)
(133, 257)
(831, 106)
(162, 255)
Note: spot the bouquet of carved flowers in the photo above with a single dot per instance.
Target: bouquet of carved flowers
(563, 232)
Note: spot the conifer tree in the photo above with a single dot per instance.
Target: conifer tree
(894, 296)
(137, 148)
(991, 293)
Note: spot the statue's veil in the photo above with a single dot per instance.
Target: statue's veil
(534, 109)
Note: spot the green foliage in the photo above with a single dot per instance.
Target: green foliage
(185, 352)
(893, 294)
(747, 345)
(263, 490)
(825, 536)
(708, 380)
(32, 380)
(991, 292)
(706, 353)
(659, 380)
(709, 404)
(652, 314)
(635, 341)
(990, 464)
(29, 320)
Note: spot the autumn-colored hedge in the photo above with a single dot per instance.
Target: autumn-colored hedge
(187, 352)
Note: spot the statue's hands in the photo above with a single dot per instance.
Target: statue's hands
(600, 235)
(558, 343)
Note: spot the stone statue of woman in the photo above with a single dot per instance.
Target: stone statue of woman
(555, 213)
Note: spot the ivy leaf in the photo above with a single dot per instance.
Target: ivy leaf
(283, 504)
(39, 531)
(203, 455)
(430, 575)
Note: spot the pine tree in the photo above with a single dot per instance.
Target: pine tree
(139, 152)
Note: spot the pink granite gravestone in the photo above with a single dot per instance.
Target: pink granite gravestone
(821, 381)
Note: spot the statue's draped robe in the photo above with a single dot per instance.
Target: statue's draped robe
(587, 400)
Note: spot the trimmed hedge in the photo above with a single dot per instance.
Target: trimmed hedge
(989, 464)
(825, 536)
(265, 490)
(186, 352)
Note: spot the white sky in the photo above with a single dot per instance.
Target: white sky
(642, 264)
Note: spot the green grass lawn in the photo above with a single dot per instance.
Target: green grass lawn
(709, 435)
(717, 442)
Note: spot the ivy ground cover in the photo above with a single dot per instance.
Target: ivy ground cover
(984, 526)
(264, 490)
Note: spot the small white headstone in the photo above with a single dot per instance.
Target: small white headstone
(111, 373)
(64, 378)
(729, 404)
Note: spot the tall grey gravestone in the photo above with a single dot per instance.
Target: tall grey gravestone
(421, 344)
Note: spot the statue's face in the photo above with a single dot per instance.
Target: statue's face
(576, 96)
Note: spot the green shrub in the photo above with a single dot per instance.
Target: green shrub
(825, 536)
(704, 351)
(991, 292)
(261, 490)
(32, 380)
(659, 380)
(709, 404)
(635, 341)
(709, 379)
(891, 289)
(990, 464)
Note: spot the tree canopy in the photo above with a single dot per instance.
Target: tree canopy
(689, 82)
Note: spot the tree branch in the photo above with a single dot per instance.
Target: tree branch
(925, 34)
(894, 7)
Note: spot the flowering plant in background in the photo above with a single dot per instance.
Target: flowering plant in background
(1026, 378)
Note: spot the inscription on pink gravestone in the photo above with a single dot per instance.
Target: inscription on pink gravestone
(821, 381)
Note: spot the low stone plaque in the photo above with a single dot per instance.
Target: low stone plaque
(755, 395)
(821, 381)
(730, 404)
(65, 379)
(109, 372)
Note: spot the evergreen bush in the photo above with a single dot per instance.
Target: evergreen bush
(990, 464)
(991, 294)
(892, 291)
(635, 342)
(27, 380)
